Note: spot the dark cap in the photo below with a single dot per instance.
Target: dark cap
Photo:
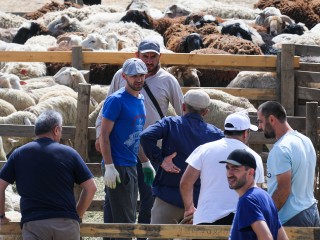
(149, 46)
(241, 157)
(134, 66)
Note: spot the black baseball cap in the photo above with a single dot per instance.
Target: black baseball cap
(241, 157)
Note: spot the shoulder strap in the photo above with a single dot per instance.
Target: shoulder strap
(153, 99)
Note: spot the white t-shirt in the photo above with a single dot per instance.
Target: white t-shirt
(216, 199)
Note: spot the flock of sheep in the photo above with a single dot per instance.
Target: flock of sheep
(200, 27)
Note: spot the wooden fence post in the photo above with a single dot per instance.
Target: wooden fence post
(278, 77)
(77, 57)
(81, 133)
(312, 133)
(287, 78)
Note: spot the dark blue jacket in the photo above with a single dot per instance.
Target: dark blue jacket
(182, 135)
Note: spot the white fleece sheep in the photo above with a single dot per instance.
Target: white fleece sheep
(19, 99)
(6, 108)
(253, 79)
(9, 81)
(66, 105)
(36, 94)
(36, 83)
(8, 20)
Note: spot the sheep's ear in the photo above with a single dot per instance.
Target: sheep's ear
(84, 72)
(27, 121)
(198, 72)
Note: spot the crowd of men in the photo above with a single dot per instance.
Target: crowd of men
(181, 166)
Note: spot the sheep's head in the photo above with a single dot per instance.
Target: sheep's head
(176, 10)
(70, 77)
(193, 42)
(186, 76)
(276, 24)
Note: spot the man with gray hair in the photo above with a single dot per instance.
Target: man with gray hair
(180, 135)
(45, 173)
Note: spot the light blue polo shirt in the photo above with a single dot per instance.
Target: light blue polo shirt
(295, 152)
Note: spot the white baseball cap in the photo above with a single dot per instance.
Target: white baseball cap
(238, 122)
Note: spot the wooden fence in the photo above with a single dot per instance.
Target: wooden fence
(164, 231)
(289, 73)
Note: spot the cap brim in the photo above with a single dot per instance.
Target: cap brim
(145, 51)
(233, 162)
(253, 127)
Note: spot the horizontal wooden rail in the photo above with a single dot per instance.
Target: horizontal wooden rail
(184, 59)
(164, 231)
(249, 93)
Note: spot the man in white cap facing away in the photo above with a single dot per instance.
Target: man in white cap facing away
(161, 88)
(217, 203)
(180, 135)
(123, 117)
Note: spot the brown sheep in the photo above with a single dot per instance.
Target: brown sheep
(49, 7)
(307, 12)
(231, 44)
(211, 77)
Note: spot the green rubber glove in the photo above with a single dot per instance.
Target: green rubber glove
(148, 172)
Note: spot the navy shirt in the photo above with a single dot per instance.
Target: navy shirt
(45, 173)
(182, 135)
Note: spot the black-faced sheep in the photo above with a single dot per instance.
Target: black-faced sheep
(29, 30)
(307, 12)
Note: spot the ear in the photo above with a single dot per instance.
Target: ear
(184, 107)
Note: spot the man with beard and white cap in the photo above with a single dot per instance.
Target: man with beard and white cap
(217, 203)
(123, 118)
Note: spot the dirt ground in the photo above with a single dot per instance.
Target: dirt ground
(32, 5)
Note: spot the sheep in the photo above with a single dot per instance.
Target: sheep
(3, 155)
(186, 76)
(66, 105)
(231, 44)
(6, 108)
(219, 9)
(70, 76)
(267, 12)
(25, 70)
(49, 7)
(8, 20)
(99, 92)
(36, 83)
(93, 115)
(19, 99)
(253, 79)
(185, 44)
(298, 29)
(212, 77)
(239, 28)
(306, 12)
(63, 24)
(36, 94)
(142, 5)
(9, 81)
(28, 30)
(144, 20)
(276, 24)
(176, 10)
(7, 34)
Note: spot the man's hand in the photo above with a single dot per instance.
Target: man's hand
(148, 172)
(111, 176)
(168, 165)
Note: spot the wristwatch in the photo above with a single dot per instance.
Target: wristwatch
(2, 216)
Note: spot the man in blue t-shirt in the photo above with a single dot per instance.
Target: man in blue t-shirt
(45, 173)
(123, 119)
(256, 216)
